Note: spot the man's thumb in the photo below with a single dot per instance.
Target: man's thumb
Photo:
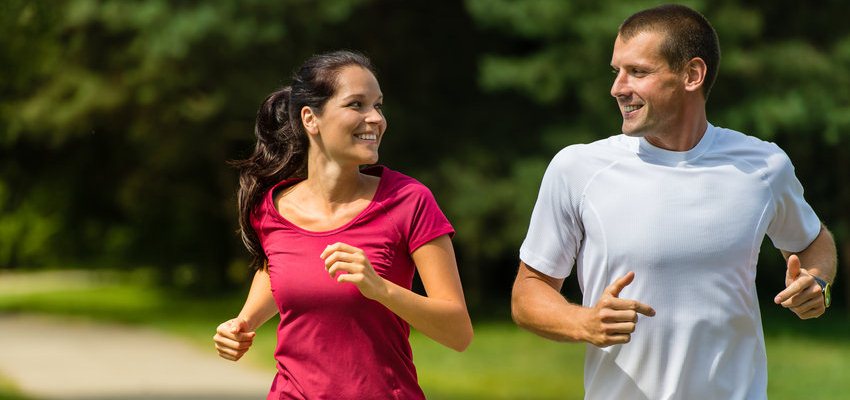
(615, 288)
(793, 269)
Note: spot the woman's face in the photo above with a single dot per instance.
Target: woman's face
(352, 123)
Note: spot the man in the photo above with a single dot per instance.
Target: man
(664, 225)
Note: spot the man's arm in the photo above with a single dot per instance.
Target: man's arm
(537, 305)
(802, 294)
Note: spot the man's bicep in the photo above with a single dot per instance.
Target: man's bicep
(528, 274)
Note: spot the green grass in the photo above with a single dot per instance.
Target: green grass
(806, 359)
(8, 391)
(503, 362)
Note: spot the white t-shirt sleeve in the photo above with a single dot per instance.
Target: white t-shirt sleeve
(554, 233)
(794, 225)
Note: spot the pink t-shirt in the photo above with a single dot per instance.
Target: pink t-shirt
(333, 343)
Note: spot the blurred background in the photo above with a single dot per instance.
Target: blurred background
(117, 119)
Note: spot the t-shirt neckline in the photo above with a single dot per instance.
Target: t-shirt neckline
(669, 157)
(373, 170)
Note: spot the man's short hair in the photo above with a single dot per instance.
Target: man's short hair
(688, 35)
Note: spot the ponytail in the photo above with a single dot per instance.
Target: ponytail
(280, 153)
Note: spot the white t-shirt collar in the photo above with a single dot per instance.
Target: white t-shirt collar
(667, 157)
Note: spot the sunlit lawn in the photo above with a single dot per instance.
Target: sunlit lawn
(807, 359)
(8, 391)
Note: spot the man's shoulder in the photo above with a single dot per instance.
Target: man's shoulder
(752, 151)
(595, 154)
(729, 140)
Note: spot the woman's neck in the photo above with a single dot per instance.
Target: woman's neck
(336, 184)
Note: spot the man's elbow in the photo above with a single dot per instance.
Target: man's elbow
(518, 312)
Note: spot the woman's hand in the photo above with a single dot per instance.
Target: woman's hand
(232, 339)
(347, 263)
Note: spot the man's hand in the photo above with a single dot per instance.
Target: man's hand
(612, 320)
(802, 294)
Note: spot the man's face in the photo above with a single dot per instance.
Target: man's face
(649, 94)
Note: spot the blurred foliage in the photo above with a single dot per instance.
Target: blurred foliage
(118, 117)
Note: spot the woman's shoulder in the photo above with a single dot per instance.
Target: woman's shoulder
(395, 184)
(265, 203)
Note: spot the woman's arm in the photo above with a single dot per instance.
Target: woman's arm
(441, 315)
(259, 306)
(234, 337)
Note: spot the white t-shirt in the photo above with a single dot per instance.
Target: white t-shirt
(690, 225)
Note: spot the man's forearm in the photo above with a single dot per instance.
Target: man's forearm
(820, 258)
(538, 306)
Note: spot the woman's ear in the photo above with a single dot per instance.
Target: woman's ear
(310, 120)
(695, 71)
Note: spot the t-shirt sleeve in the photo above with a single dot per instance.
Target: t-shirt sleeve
(426, 222)
(795, 224)
(554, 233)
(258, 220)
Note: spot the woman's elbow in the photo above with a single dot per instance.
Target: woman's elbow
(462, 341)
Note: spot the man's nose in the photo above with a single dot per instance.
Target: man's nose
(620, 87)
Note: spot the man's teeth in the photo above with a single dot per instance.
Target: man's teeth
(367, 136)
(631, 108)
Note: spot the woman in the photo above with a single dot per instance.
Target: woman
(336, 245)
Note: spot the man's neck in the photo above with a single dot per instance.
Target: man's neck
(683, 140)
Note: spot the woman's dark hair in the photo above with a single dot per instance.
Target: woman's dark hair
(281, 149)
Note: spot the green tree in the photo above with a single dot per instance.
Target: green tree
(120, 116)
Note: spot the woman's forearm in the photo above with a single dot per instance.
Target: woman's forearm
(445, 321)
(442, 315)
(259, 305)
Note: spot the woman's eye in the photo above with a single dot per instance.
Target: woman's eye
(355, 104)
(379, 106)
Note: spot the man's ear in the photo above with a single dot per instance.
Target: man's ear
(310, 120)
(695, 72)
